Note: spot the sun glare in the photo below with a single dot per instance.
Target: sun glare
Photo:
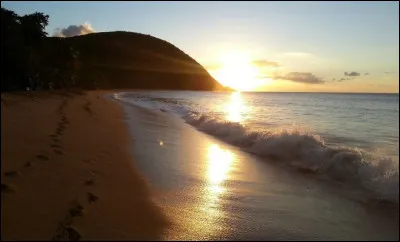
(219, 164)
(238, 72)
(235, 107)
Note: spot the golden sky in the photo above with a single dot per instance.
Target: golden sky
(243, 72)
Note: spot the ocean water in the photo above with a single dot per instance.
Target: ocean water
(270, 165)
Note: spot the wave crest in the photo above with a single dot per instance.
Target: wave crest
(308, 153)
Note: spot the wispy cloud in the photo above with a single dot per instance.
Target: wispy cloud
(343, 79)
(265, 63)
(348, 76)
(300, 77)
(353, 73)
(261, 63)
(74, 30)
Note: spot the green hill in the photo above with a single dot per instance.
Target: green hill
(133, 60)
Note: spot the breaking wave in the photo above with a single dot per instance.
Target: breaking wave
(296, 148)
(308, 153)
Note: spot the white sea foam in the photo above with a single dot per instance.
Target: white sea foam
(308, 152)
(296, 148)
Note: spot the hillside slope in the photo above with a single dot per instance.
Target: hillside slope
(132, 60)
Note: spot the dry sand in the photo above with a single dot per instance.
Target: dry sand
(67, 172)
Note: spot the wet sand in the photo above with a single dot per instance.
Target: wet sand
(211, 190)
(67, 172)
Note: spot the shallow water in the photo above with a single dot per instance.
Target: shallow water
(211, 189)
(368, 121)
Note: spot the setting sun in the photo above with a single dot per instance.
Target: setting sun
(200, 121)
(238, 72)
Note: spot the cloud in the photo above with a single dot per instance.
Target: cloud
(301, 77)
(353, 73)
(258, 63)
(74, 30)
(343, 79)
(366, 73)
(265, 63)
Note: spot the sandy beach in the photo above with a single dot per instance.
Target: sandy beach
(67, 172)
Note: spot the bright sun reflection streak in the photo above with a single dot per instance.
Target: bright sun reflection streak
(219, 164)
(204, 221)
(235, 108)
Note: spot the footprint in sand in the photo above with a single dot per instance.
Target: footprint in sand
(89, 181)
(8, 188)
(65, 231)
(42, 157)
(72, 234)
(91, 197)
(58, 152)
(64, 120)
(90, 161)
(12, 174)
(57, 140)
(93, 173)
(67, 234)
(76, 209)
(55, 146)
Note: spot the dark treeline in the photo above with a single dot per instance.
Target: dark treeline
(32, 60)
(28, 60)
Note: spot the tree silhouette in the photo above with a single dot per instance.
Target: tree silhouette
(21, 41)
(100, 60)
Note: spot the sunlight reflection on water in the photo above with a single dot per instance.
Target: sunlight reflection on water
(235, 108)
(219, 165)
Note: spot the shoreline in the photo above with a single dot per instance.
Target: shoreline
(65, 173)
(211, 190)
(72, 141)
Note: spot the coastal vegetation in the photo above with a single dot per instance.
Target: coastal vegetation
(31, 60)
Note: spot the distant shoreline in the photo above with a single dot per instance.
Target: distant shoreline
(77, 91)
